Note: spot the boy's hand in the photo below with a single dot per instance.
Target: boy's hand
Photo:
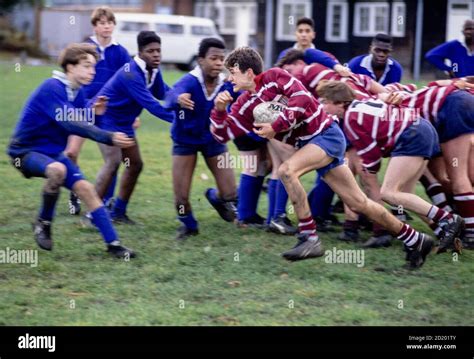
(122, 140)
(137, 123)
(184, 100)
(222, 100)
(342, 70)
(100, 106)
(264, 130)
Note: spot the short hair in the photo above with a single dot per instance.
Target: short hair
(207, 43)
(335, 91)
(382, 40)
(102, 11)
(147, 37)
(305, 20)
(245, 58)
(74, 53)
(290, 57)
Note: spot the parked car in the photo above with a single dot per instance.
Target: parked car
(180, 35)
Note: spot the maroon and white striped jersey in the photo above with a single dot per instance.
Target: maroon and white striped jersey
(302, 119)
(428, 100)
(314, 73)
(373, 127)
(397, 86)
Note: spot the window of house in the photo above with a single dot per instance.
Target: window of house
(398, 19)
(336, 21)
(371, 18)
(288, 13)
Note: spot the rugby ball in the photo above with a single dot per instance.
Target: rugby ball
(268, 112)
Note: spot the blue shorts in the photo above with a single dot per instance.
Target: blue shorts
(210, 149)
(331, 141)
(456, 116)
(418, 140)
(33, 164)
(109, 124)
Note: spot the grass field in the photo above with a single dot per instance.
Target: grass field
(199, 282)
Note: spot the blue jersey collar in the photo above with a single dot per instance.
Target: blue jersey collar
(61, 76)
(367, 64)
(142, 65)
(197, 73)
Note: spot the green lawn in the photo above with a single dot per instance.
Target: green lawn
(198, 282)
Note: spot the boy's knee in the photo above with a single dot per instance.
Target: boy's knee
(84, 188)
(56, 172)
(285, 171)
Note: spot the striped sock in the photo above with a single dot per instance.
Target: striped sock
(438, 197)
(307, 226)
(465, 206)
(437, 214)
(409, 236)
(436, 229)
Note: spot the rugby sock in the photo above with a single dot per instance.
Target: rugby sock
(280, 200)
(272, 185)
(249, 191)
(120, 207)
(320, 199)
(110, 190)
(436, 193)
(212, 193)
(378, 230)
(101, 219)
(436, 229)
(408, 235)
(48, 206)
(189, 221)
(437, 214)
(351, 225)
(308, 226)
(465, 206)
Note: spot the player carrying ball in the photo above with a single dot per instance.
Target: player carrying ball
(318, 143)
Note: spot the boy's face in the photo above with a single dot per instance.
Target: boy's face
(305, 35)
(83, 73)
(295, 68)
(380, 56)
(468, 30)
(104, 28)
(240, 80)
(332, 108)
(213, 63)
(151, 54)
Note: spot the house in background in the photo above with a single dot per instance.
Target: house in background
(346, 27)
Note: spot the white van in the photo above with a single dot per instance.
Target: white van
(180, 35)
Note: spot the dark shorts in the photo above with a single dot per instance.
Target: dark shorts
(250, 142)
(210, 149)
(418, 140)
(109, 125)
(333, 142)
(33, 164)
(456, 116)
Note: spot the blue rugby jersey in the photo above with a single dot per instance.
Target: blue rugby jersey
(363, 65)
(129, 92)
(53, 112)
(462, 60)
(111, 59)
(193, 127)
